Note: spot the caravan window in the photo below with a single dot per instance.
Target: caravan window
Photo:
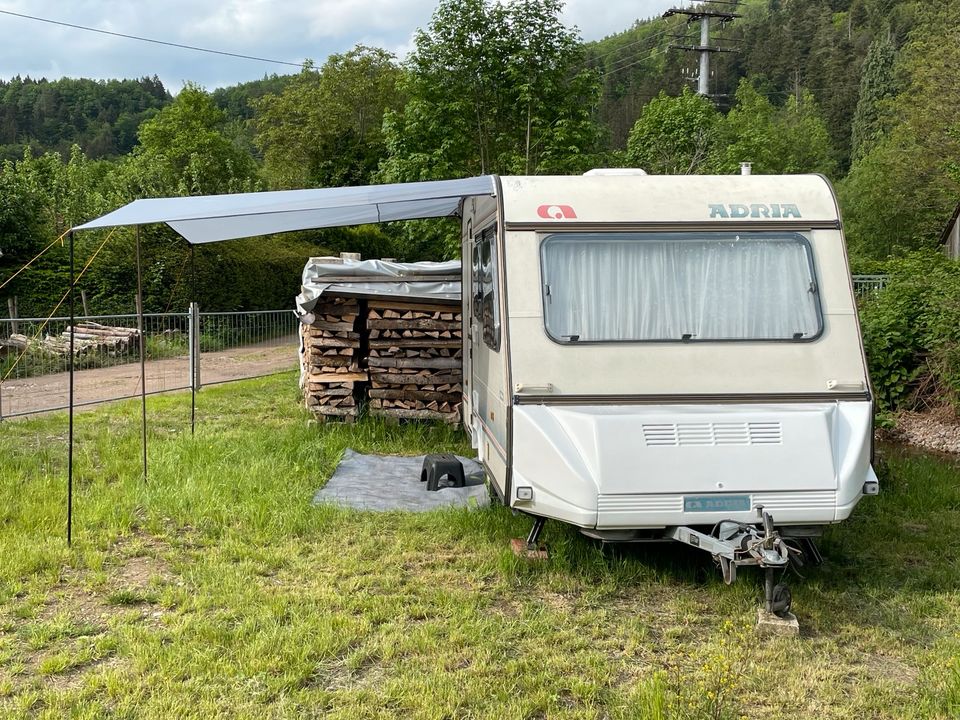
(608, 287)
(486, 294)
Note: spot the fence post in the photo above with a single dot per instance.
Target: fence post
(12, 308)
(194, 332)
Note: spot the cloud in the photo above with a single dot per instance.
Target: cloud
(280, 30)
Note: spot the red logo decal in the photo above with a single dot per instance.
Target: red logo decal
(556, 212)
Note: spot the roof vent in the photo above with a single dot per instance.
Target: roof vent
(616, 171)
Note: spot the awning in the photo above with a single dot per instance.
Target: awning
(211, 218)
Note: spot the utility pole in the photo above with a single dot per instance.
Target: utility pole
(705, 15)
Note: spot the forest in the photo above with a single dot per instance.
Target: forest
(863, 91)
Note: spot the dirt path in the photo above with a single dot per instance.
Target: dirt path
(51, 392)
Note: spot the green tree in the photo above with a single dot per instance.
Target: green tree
(789, 139)
(494, 88)
(184, 150)
(325, 128)
(674, 135)
(25, 220)
(877, 89)
(900, 193)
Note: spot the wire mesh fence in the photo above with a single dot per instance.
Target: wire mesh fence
(35, 352)
(238, 345)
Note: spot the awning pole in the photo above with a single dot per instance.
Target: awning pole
(143, 360)
(73, 332)
(194, 343)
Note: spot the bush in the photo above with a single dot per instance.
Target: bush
(911, 332)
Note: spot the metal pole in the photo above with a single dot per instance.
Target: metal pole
(194, 342)
(143, 359)
(70, 432)
(12, 308)
(83, 300)
(702, 82)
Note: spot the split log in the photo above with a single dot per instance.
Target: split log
(390, 362)
(451, 417)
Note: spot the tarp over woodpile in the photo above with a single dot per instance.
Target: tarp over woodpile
(430, 281)
(212, 218)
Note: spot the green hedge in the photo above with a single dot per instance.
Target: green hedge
(911, 332)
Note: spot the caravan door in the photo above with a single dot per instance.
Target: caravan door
(485, 362)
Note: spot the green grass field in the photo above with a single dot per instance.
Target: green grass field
(217, 590)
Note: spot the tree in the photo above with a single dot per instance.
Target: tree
(877, 89)
(901, 191)
(790, 139)
(325, 128)
(494, 88)
(184, 150)
(674, 135)
(894, 197)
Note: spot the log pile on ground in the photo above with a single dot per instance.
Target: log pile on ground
(331, 357)
(88, 338)
(415, 360)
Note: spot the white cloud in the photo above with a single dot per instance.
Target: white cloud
(275, 29)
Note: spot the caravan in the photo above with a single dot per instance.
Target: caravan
(645, 357)
(668, 357)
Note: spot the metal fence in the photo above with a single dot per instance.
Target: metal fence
(34, 355)
(866, 285)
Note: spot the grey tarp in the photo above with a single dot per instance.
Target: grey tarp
(212, 218)
(392, 482)
(373, 278)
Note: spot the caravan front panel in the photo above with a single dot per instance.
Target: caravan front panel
(680, 350)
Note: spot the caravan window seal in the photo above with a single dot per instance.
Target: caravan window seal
(715, 234)
(485, 285)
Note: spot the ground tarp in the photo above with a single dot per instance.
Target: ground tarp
(392, 482)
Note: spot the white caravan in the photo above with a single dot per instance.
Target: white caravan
(678, 357)
(647, 357)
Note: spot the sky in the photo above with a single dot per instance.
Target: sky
(285, 30)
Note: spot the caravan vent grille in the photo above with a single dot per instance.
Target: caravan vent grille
(711, 434)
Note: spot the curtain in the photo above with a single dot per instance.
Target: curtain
(693, 286)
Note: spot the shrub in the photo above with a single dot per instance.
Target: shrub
(911, 332)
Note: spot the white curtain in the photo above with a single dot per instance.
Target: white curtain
(706, 286)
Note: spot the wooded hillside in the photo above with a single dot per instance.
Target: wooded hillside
(864, 91)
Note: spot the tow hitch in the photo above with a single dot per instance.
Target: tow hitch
(734, 544)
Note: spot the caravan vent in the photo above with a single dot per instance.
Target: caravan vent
(711, 434)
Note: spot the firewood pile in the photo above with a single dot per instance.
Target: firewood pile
(404, 357)
(88, 338)
(415, 360)
(331, 358)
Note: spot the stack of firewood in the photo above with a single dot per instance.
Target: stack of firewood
(331, 358)
(415, 360)
(88, 338)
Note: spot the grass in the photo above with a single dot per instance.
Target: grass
(217, 590)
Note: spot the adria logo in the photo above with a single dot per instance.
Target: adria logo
(556, 212)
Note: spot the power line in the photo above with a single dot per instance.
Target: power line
(614, 51)
(704, 15)
(635, 62)
(627, 61)
(151, 40)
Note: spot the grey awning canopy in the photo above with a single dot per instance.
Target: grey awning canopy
(212, 218)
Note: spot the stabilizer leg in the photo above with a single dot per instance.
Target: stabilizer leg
(531, 547)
